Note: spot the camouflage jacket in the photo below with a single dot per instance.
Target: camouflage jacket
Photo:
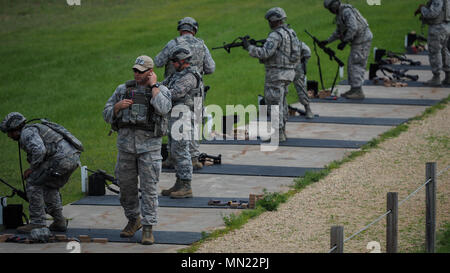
(42, 149)
(352, 27)
(277, 48)
(201, 57)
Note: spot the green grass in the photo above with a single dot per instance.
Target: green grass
(63, 62)
(443, 239)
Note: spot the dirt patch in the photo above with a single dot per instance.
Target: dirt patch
(355, 195)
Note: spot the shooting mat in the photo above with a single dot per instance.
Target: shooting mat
(164, 201)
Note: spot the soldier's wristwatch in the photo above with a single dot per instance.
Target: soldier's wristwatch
(155, 85)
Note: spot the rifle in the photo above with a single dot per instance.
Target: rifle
(397, 74)
(332, 56)
(235, 43)
(327, 50)
(15, 191)
(379, 53)
(203, 157)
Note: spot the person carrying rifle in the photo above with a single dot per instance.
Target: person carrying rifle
(280, 55)
(436, 14)
(201, 59)
(352, 28)
(52, 160)
(138, 111)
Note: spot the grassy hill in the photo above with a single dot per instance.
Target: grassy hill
(63, 62)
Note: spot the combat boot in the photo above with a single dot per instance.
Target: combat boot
(349, 92)
(184, 192)
(26, 229)
(59, 224)
(309, 113)
(147, 235)
(131, 228)
(169, 163)
(435, 81)
(447, 78)
(196, 165)
(357, 94)
(174, 188)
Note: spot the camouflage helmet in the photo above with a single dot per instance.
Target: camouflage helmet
(180, 52)
(12, 121)
(275, 14)
(327, 3)
(189, 24)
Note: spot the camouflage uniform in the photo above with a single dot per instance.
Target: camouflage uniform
(201, 60)
(300, 76)
(48, 154)
(181, 86)
(279, 69)
(438, 35)
(139, 154)
(353, 28)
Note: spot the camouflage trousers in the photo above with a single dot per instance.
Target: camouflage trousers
(357, 62)
(438, 37)
(148, 167)
(180, 150)
(43, 188)
(300, 85)
(275, 94)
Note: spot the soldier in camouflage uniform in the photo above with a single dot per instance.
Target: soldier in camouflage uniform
(52, 161)
(184, 86)
(436, 14)
(351, 28)
(300, 80)
(138, 111)
(201, 59)
(279, 60)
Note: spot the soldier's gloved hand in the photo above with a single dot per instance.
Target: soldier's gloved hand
(27, 173)
(341, 46)
(418, 9)
(323, 43)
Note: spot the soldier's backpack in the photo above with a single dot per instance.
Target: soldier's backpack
(68, 136)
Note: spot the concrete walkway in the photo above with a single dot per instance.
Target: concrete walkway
(204, 185)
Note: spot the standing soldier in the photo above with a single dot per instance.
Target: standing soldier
(53, 158)
(352, 28)
(138, 111)
(184, 86)
(201, 59)
(436, 14)
(300, 80)
(280, 55)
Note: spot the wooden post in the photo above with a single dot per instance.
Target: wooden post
(431, 207)
(337, 239)
(392, 223)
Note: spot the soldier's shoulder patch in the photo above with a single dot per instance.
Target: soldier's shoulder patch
(269, 45)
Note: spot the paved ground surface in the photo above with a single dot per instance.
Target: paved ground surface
(198, 220)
